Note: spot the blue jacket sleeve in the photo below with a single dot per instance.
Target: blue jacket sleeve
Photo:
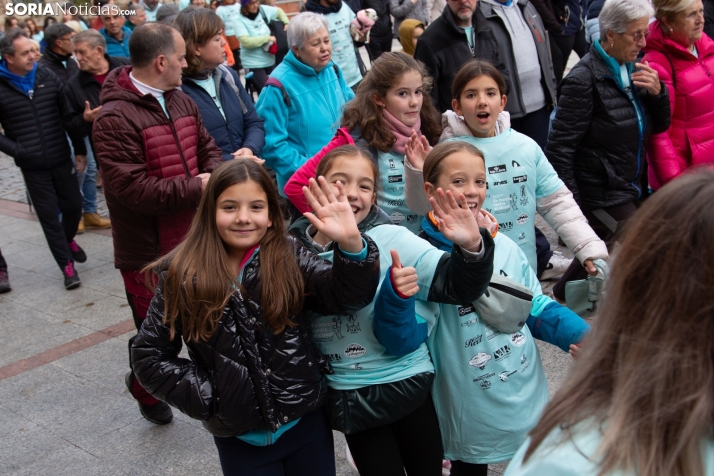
(555, 324)
(396, 325)
(253, 128)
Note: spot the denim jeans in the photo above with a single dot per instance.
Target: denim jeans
(88, 179)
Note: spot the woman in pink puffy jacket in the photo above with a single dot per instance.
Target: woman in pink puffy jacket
(684, 59)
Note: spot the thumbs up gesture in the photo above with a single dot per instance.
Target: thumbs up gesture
(90, 114)
(404, 279)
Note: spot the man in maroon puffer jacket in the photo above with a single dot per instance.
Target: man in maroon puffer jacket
(155, 159)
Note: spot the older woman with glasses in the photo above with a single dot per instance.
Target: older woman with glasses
(683, 56)
(608, 106)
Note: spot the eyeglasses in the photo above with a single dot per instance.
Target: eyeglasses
(638, 35)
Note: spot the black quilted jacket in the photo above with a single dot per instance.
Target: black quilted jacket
(595, 144)
(245, 377)
(34, 135)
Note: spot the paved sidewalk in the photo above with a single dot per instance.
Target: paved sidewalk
(64, 409)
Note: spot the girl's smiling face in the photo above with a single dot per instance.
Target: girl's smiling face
(404, 99)
(242, 217)
(462, 172)
(356, 174)
(480, 103)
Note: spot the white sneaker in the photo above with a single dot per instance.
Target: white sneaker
(556, 266)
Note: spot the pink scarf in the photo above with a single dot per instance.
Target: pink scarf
(400, 131)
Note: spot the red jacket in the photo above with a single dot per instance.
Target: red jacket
(149, 165)
(690, 138)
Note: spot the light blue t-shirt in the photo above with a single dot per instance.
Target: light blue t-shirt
(349, 343)
(576, 456)
(469, 35)
(489, 388)
(517, 174)
(209, 85)
(229, 14)
(343, 48)
(393, 201)
(244, 26)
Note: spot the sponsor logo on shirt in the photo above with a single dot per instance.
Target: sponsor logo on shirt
(483, 382)
(522, 219)
(397, 218)
(395, 203)
(515, 164)
(334, 358)
(497, 169)
(518, 339)
(522, 237)
(491, 333)
(500, 182)
(463, 310)
(505, 374)
(356, 367)
(352, 326)
(474, 341)
(520, 179)
(354, 351)
(412, 218)
(480, 360)
(391, 164)
(395, 189)
(470, 322)
(395, 178)
(502, 353)
(506, 226)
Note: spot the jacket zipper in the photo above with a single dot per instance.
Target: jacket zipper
(512, 292)
(178, 146)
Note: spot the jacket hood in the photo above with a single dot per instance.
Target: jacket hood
(375, 217)
(315, 6)
(23, 83)
(658, 41)
(455, 126)
(428, 225)
(119, 87)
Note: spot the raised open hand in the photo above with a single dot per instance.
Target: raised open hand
(333, 215)
(457, 223)
(416, 150)
(404, 279)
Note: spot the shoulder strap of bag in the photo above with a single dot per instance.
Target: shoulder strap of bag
(277, 84)
(231, 80)
(265, 18)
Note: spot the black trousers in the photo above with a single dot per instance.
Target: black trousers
(54, 189)
(534, 125)
(566, 45)
(620, 214)
(260, 77)
(3, 264)
(459, 468)
(412, 443)
(305, 449)
(377, 46)
(543, 252)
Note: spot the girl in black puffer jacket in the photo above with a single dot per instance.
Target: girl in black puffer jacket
(237, 291)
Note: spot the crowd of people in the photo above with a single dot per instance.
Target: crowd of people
(352, 247)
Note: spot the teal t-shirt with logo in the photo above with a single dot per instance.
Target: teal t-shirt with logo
(229, 14)
(244, 26)
(349, 343)
(517, 174)
(489, 388)
(393, 201)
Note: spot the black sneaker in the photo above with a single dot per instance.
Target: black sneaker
(160, 413)
(78, 253)
(71, 278)
(4, 281)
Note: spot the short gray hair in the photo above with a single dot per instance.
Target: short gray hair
(303, 26)
(7, 42)
(91, 37)
(616, 15)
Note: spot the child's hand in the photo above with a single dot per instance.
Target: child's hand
(404, 279)
(333, 215)
(574, 351)
(456, 223)
(416, 150)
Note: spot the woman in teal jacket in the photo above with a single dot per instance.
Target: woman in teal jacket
(303, 105)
